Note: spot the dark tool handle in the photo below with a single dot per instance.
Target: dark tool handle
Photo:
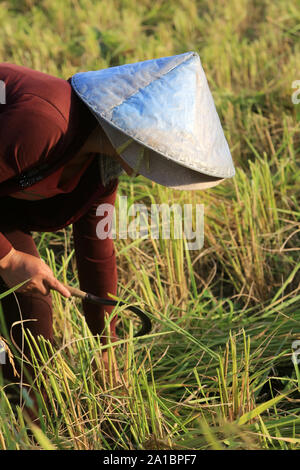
(146, 322)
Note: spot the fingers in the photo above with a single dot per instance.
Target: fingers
(39, 276)
(35, 287)
(54, 284)
(44, 287)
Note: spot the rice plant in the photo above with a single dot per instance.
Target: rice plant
(216, 372)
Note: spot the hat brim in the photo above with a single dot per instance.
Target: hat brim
(155, 166)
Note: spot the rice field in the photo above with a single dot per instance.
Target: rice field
(218, 370)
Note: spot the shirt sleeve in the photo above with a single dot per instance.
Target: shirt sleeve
(96, 264)
(5, 246)
(30, 130)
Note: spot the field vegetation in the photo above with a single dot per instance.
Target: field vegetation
(216, 372)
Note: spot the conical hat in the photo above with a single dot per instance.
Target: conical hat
(160, 117)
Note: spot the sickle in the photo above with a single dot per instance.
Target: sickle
(146, 322)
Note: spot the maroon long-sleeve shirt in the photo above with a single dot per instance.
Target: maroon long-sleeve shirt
(43, 124)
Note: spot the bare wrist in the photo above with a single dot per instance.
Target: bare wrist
(5, 261)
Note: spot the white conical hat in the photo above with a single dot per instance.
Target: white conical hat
(161, 118)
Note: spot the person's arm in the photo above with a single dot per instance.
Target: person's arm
(96, 264)
(17, 267)
(27, 136)
(5, 247)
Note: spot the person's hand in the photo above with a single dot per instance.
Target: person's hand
(17, 267)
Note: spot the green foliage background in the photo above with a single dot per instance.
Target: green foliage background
(217, 371)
